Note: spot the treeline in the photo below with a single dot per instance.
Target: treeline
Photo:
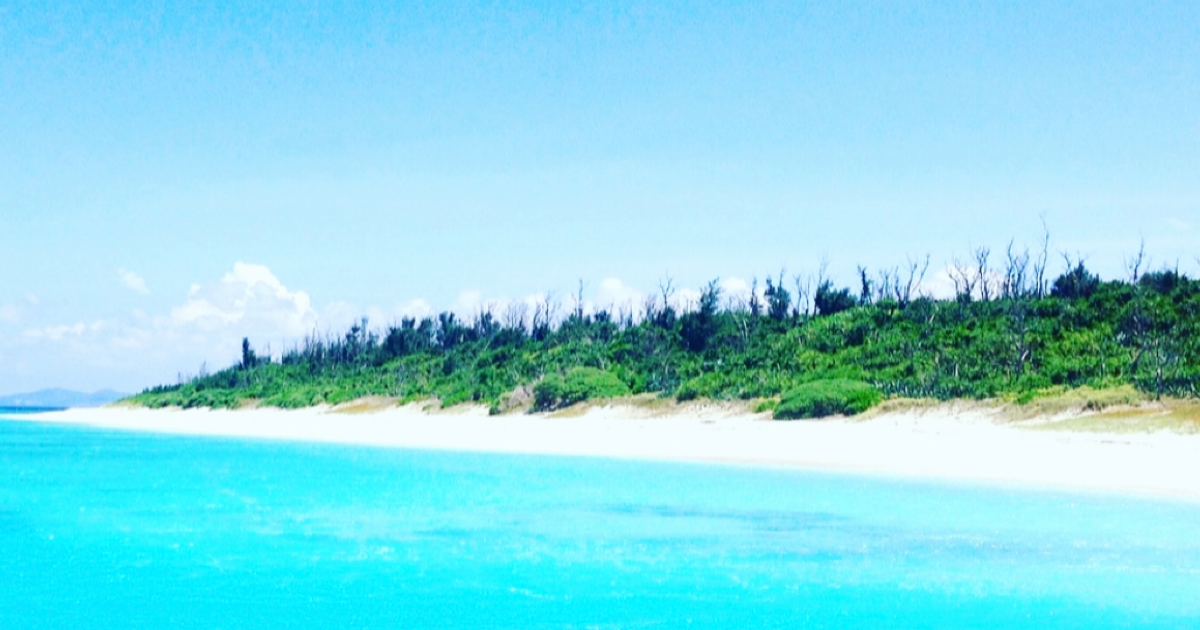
(1010, 330)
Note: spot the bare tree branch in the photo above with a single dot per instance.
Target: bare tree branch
(983, 273)
(1041, 288)
(964, 280)
(1135, 264)
(916, 277)
(666, 287)
(515, 315)
(1015, 273)
(803, 297)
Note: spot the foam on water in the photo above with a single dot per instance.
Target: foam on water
(102, 529)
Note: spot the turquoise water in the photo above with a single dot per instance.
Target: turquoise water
(102, 529)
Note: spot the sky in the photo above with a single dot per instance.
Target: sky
(175, 176)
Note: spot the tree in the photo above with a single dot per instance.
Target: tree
(964, 280)
(249, 359)
(866, 286)
(1015, 274)
(803, 297)
(1039, 266)
(916, 276)
(1162, 282)
(983, 273)
(829, 300)
(699, 326)
(665, 317)
(1076, 283)
(755, 305)
(778, 299)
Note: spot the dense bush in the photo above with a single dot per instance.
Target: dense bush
(707, 385)
(827, 398)
(579, 384)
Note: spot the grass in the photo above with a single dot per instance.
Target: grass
(650, 404)
(369, 404)
(900, 405)
(766, 405)
(656, 406)
(1119, 409)
(1056, 401)
(1172, 415)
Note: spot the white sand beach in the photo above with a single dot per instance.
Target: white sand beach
(943, 442)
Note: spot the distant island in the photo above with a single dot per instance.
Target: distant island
(799, 348)
(49, 399)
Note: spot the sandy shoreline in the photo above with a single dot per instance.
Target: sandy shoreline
(941, 443)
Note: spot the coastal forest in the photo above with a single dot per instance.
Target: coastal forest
(802, 346)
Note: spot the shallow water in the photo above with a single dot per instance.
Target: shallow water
(104, 529)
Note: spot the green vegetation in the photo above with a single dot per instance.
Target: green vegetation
(827, 398)
(1010, 333)
(580, 384)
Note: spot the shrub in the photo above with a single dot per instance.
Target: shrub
(547, 392)
(765, 405)
(580, 384)
(708, 385)
(826, 398)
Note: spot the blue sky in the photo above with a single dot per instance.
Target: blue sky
(173, 178)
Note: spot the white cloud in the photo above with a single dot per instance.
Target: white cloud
(133, 281)
(338, 316)
(9, 314)
(733, 287)
(251, 297)
(616, 295)
(737, 291)
(416, 309)
(58, 333)
(467, 305)
(1179, 225)
(206, 326)
(938, 285)
(204, 312)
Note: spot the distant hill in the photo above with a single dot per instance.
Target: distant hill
(60, 398)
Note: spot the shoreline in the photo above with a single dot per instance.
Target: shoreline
(941, 443)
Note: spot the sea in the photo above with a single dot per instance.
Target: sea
(112, 529)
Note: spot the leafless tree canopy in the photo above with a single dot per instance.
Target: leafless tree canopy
(1016, 273)
(545, 312)
(516, 314)
(803, 297)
